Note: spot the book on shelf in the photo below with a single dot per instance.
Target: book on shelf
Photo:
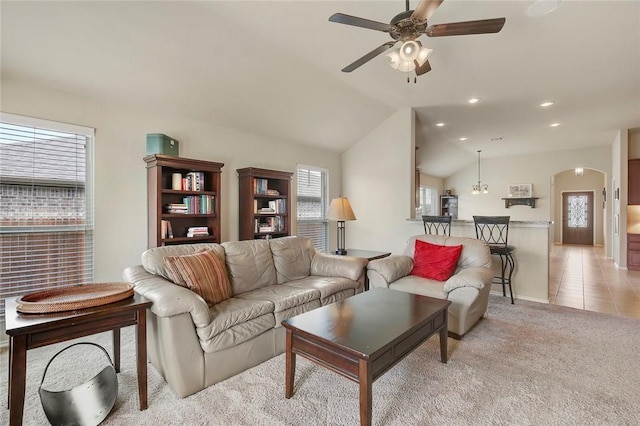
(260, 186)
(176, 208)
(197, 231)
(165, 229)
(193, 204)
(278, 206)
(200, 204)
(269, 224)
(193, 181)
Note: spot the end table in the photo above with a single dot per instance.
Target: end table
(29, 331)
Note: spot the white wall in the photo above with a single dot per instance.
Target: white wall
(120, 177)
(432, 181)
(377, 175)
(619, 170)
(567, 181)
(536, 169)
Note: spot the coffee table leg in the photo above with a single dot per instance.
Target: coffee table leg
(290, 367)
(116, 349)
(365, 382)
(9, 373)
(17, 374)
(444, 334)
(141, 357)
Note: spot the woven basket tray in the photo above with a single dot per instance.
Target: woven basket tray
(73, 297)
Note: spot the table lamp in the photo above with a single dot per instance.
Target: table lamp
(340, 211)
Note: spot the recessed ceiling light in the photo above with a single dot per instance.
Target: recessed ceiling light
(464, 138)
(440, 124)
(474, 100)
(554, 124)
(546, 104)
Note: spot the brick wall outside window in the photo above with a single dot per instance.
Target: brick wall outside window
(42, 258)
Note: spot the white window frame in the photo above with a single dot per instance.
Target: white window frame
(321, 220)
(84, 229)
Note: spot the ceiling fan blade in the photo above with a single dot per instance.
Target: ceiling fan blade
(341, 18)
(485, 26)
(369, 56)
(425, 68)
(425, 9)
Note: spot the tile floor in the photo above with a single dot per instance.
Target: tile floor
(581, 277)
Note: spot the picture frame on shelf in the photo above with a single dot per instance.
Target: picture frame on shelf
(520, 190)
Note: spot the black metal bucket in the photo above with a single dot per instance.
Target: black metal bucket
(87, 404)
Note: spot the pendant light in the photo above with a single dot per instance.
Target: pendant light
(480, 187)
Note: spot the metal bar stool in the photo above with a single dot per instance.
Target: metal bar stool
(437, 225)
(495, 231)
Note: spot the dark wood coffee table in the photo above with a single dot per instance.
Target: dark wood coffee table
(29, 331)
(364, 336)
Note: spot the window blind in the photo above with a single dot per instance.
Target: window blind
(312, 204)
(46, 205)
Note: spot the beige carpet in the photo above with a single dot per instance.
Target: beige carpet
(523, 364)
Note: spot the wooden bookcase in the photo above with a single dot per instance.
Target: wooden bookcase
(206, 213)
(449, 206)
(257, 191)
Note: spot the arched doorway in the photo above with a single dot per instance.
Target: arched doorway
(579, 207)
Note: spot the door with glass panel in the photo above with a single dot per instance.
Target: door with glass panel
(577, 218)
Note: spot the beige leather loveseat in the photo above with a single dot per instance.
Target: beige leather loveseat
(467, 289)
(194, 345)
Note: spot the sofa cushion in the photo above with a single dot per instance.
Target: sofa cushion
(327, 286)
(282, 297)
(203, 273)
(153, 258)
(292, 257)
(419, 285)
(235, 321)
(288, 301)
(434, 261)
(250, 265)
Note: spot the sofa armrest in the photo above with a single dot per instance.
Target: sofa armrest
(168, 299)
(470, 277)
(326, 265)
(390, 269)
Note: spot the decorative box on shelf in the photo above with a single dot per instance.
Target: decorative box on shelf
(517, 201)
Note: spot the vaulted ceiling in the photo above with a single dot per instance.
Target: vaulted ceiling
(273, 68)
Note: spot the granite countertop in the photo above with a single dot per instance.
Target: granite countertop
(514, 223)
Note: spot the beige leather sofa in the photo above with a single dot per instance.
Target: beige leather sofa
(468, 289)
(194, 346)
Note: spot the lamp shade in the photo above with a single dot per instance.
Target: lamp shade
(340, 210)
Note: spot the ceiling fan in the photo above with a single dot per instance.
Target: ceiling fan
(407, 27)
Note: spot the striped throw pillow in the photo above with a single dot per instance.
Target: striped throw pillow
(203, 273)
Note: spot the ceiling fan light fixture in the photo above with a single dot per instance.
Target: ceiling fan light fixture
(409, 50)
(423, 55)
(406, 66)
(393, 58)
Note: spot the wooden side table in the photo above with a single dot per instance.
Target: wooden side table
(369, 255)
(29, 331)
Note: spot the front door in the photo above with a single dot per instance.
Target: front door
(577, 218)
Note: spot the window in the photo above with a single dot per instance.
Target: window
(312, 204)
(428, 201)
(46, 205)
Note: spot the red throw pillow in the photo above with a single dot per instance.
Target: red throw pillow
(435, 262)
